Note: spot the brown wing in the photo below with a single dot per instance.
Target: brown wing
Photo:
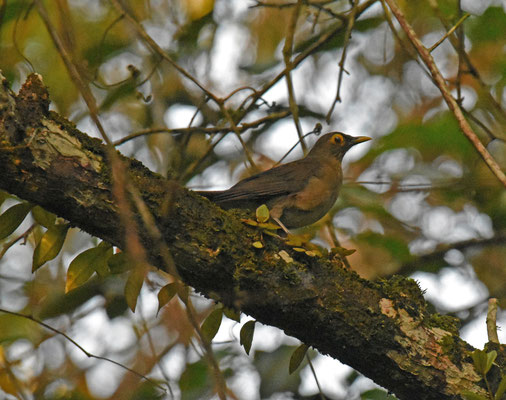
(283, 180)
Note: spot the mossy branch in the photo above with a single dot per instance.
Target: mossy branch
(382, 329)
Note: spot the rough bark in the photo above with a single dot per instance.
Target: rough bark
(382, 329)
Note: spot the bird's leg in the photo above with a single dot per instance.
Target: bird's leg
(281, 225)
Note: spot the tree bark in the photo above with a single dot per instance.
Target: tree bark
(382, 329)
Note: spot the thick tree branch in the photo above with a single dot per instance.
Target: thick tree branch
(383, 329)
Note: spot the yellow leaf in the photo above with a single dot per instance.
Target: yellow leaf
(249, 222)
(258, 245)
(49, 245)
(133, 285)
(262, 213)
(167, 293)
(269, 225)
(342, 251)
(85, 264)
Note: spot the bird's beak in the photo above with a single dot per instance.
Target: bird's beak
(360, 139)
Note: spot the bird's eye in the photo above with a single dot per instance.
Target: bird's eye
(337, 139)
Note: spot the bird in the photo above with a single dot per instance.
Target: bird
(298, 193)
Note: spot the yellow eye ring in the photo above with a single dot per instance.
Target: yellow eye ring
(337, 139)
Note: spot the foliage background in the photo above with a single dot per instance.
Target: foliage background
(427, 206)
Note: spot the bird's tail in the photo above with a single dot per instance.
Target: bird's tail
(210, 194)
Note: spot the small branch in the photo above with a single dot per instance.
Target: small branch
(88, 354)
(301, 57)
(466, 16)
(445, 91)
(287, 55)
(313, 372)
(439, 253)
(24, 235)
(347, 36)
(158, 50)
(492, 321)
(213, 130)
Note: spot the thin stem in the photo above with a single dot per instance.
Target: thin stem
(445, 91)
(88, 354)
(287, 55)
(492, 321)
(459, 22)
(322, 397)
(347, 36)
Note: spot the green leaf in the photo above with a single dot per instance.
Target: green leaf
(3, 196)
(14, 328)
(397, 247)
(262, 213)
(12, 218)
(212, 324)
(269, 225)
(43, 217)
(85, 264)
(246, 335)
(273, 371)
(133, 285)
(145, 390)
(473, 396)
(183, 292)
(231, 313)
(167, 293)
(342, 251)
(487, 27)
(195, 381)
(58, 303)
(119, 263)
(297, 357)
(501, 389)
(483, 361)
(50, 245)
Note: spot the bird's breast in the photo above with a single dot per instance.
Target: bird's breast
(313, 201)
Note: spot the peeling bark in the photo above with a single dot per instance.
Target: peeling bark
(382, 329)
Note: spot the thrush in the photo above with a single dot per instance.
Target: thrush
(298, 193)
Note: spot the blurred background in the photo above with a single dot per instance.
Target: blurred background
(418, 200)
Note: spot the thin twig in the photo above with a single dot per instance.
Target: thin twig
(459, 22)
(24, 235)
(87, 353)
(287, 55)
(347, 36)
(298, 59)
(212, 130)
(322, 397)
(158, 50)
(492, 321)
(445, 91)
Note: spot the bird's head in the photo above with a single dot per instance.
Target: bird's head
(335, 144)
